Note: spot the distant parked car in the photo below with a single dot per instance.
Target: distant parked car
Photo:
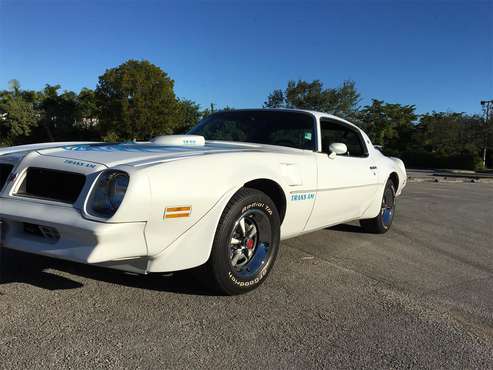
(221, 197)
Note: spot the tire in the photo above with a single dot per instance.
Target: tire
(246, 244)
(382, 223)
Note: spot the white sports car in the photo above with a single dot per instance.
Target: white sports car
(221, 197)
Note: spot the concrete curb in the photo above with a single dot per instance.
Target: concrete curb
(473, 175)
(487, 180)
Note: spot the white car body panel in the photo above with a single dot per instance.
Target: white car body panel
(164, 175)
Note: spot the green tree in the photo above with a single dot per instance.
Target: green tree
(450, 134)
(59, 113)
(390, 125)
(87, 121)
(188, 115)
(87, 107)
(17, 117)
(136, 100)
(64, 116)
(342, 100)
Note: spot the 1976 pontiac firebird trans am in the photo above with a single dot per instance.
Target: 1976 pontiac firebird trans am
(218, 199)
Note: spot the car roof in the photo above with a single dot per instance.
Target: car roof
(317, 114)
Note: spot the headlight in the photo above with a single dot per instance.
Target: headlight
(118, 184)
(108, 193)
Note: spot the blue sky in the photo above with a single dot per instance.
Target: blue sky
(435, 54)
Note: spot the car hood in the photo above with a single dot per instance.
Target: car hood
(138, 154)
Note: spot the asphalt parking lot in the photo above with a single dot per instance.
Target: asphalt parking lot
(418, 296)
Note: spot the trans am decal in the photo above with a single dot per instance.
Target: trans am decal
(304, 196)
(79, 163)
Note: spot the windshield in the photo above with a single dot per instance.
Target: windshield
(292, 129)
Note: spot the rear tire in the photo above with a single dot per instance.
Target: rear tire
(246, 244)
(381, 224)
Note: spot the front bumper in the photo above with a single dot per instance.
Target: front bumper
(78, 239)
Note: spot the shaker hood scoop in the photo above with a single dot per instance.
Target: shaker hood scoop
(179, 140)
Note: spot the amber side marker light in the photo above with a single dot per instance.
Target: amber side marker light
(176, 212)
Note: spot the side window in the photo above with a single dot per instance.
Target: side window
(333, 132)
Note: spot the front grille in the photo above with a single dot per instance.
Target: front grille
(5, 170)
(54, 185)
(50, 234)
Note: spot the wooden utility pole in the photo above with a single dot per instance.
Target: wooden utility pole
(488, 110)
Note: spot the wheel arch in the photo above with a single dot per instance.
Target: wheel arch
(374, 207)
(394, 177)
(273, 190)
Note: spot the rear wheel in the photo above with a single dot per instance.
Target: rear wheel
(381, 224)
(245, 245)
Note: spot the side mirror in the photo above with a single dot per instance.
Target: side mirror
(337, 149)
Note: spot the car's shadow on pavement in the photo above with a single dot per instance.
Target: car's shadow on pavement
(51, 274)
(348, 228)
(35, 270)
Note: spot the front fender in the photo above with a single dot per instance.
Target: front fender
(199, 188)
(193, 247)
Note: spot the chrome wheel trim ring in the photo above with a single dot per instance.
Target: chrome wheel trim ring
(250, 242)
(388, 205)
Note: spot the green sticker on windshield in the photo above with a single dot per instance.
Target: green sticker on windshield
(308, 135)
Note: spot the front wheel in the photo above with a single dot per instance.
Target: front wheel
(246, 243)
(381, 224)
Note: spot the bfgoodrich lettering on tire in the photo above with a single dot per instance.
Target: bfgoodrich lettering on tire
(245, 245)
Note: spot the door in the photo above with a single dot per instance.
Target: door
(347, 183)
